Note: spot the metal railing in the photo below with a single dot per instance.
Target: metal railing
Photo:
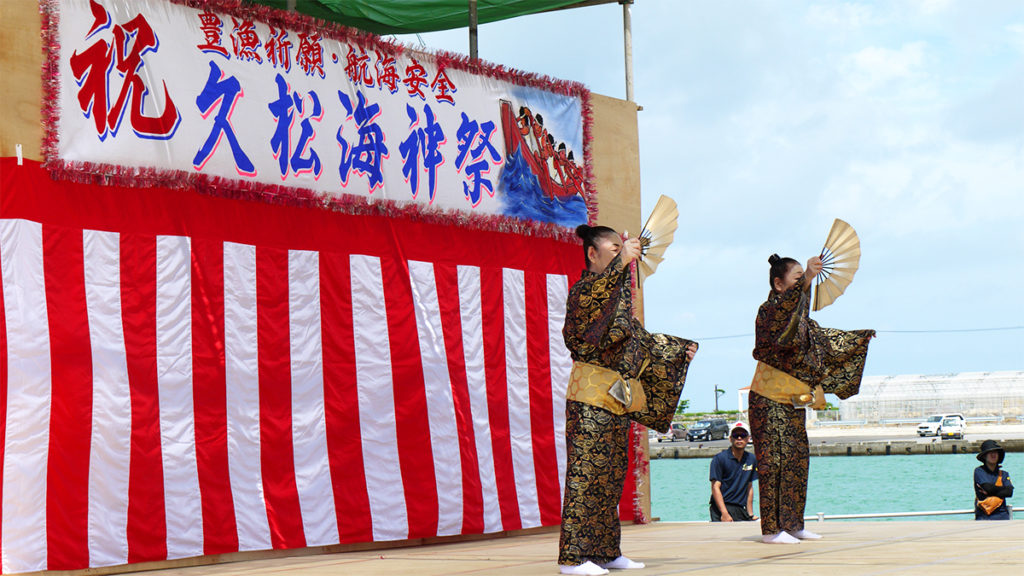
(899, 421)
(885, 421)
(821, 516)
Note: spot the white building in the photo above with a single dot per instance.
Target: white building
(973, 394)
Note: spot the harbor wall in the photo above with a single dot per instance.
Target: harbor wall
(870, 448)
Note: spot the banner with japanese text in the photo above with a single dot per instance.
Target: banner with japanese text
(280, 284)
(152, 89)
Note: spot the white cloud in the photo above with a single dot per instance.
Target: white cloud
(1016, 37)
(933, 6)
(956, 187)
(875, 67)
(840, 15)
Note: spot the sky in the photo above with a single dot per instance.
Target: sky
(765, 121)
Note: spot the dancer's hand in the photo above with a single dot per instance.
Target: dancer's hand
(630, 249)
(810, 271)
(691, 351)
(819, 398)
(813, 267)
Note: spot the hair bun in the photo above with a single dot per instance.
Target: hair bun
(772, 259)
(583, 231)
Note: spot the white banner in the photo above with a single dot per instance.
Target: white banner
(150, 85)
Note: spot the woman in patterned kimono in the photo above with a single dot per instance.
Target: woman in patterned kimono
(798, 361)
(620, 373)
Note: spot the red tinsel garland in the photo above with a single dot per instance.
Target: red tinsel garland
(51, 79)
(641, 461)
(97, 173)
(641, 466)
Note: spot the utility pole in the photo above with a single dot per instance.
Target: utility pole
(472, 31)
(627, 40)
(718, 394)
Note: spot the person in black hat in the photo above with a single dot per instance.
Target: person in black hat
(991, 484)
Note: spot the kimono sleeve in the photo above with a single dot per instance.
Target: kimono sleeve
(781, 325)
(611, 292)
(842, 354)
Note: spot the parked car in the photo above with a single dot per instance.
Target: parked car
(930, 427)
(953, 427)
(675, 432)
(708, 430)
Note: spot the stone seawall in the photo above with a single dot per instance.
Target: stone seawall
(840, 448)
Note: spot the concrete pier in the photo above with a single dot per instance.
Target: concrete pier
(841, 448)
(869, 441)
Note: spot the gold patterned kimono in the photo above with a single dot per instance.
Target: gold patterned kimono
(788, 340)
(600, 329)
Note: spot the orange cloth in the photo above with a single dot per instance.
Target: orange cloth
(992, 503)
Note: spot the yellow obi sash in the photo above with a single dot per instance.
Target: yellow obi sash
(776, 385)
(605, 388)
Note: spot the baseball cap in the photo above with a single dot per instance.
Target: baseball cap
(740, 425)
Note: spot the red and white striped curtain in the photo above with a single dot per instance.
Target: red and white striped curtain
(184, 375)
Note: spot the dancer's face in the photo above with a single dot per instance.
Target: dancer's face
(789, 280)
(604, 250)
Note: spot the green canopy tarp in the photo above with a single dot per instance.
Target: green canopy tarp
(412, 16)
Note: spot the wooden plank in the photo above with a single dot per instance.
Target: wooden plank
(933, 547)
(616, 163)
(616, 160)
(21, 87)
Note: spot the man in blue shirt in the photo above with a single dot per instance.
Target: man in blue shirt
(733, 472)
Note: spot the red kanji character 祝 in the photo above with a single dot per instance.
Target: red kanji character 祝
(92, 69)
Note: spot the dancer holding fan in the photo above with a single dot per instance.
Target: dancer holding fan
(798, 361)
(620, 373)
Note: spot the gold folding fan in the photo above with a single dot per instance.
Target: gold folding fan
(839, 260)
(657, 235)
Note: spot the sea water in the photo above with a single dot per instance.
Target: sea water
(845, 485)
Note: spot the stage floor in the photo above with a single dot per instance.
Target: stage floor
(935, 548)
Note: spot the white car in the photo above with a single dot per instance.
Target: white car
(931, 426)
(953, 427)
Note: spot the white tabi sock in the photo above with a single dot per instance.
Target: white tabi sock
(588, 568)
(780, 538)
(623, 563)
(806, 535)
